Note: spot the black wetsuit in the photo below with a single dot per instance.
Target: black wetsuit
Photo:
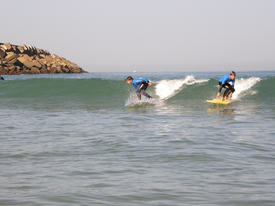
(224, 83)
(141, 91)
(228, 88)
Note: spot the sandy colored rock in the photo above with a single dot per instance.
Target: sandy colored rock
(24, 58)
(2, 53)
(36, 64)
(8, 46)
(35, 71)
(10, 56)
(20, 49)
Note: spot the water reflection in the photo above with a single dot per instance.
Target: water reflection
(223, 110)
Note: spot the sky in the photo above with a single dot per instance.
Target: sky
(147, 35)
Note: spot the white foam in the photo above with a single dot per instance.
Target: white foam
(169, 88)
(243, 85)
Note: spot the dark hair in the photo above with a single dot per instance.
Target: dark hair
(129, 78)
(233, 73)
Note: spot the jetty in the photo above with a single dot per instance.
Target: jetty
(26, 59)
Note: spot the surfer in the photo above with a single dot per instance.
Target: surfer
(140, 85)
(224, 83)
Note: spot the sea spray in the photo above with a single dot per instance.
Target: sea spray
(168, 88)
(243, 85)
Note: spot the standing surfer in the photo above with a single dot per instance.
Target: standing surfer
(140, 85)
(224, 83)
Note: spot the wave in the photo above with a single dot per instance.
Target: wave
(202, 89)
(103, 93)
(244, 85)
(166, 89)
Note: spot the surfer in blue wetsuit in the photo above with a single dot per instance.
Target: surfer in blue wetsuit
(140, 85)
(224, 82)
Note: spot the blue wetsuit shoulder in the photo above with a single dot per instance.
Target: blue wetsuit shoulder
(137, 82)
(226, 78)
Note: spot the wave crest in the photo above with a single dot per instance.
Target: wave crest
(243, 85)
(166, 89)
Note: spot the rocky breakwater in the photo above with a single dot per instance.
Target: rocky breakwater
(25, 59)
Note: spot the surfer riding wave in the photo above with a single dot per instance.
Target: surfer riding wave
(140, 85)
(224, 82)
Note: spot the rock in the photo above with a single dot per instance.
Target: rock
(20, 49)
(35, 71)
(65, 70)
(12, 61)
(14, 48)
(10, 56)
(12, 69)
(2, 53)
(43, 70)
(26, 61)
(28, 64)
(24, 58)
(36, 64)
(3, 47)
(25, 47)
(31, 60)
(8, 46)
(4, 70)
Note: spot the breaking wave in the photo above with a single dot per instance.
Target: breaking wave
(104, 93)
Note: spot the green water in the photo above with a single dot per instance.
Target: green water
(69, 140)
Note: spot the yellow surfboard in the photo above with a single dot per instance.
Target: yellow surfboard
(218, 101)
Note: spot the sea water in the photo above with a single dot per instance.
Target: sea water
(67, 139)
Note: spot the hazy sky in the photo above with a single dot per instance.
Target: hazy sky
(147, 35)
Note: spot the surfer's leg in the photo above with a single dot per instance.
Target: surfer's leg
(226, 93)
(231, 91)
(145, 94)
(220, 90)
(138, 95)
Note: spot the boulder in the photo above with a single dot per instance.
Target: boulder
(14, 48)
(43, 70)
(28, 64)
(34, 71)
(2, 53)
(10, 56)
(4, 70)
(12, 69)
(58, 69)
(8, 46)
(65, 70)
(26, 61)
(12, 61)
(24, 58)
(36, 64)
(20, 49)
(3, 47)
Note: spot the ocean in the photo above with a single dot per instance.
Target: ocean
(67, 139)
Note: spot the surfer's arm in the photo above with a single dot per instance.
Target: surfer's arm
(141, 85)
